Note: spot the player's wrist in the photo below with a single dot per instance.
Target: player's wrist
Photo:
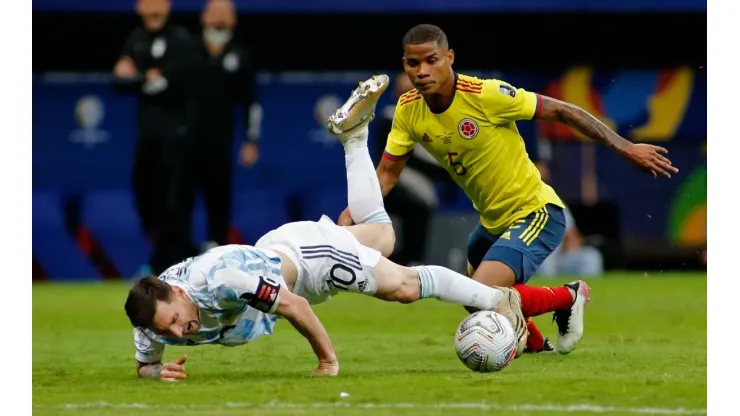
(151, 371)
(328, 359)
(325, 353)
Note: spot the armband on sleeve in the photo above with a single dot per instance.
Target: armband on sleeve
(265, 297)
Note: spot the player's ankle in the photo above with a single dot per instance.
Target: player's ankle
(353, 143)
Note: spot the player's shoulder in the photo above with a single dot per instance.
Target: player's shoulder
(407, 98)
(406, 104)
(483, 86)
(467, 84)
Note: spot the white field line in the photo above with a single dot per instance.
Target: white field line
(575, 408)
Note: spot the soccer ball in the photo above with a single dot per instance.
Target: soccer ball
(485, 342)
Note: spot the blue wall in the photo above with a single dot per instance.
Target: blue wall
(83, 141)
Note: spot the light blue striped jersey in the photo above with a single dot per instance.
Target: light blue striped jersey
(236, 289)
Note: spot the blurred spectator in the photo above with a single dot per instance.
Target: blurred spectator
(227, 78)
(572, 257)
(156, 64)
(414, 200)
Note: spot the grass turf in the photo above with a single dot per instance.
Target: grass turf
(645, 347)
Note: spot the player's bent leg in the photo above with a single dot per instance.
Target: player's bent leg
(479, 242)
(521, 248)
(364, 198)
(513, 257)
(495, 273)
(378, 236)
(530, 242)
(397, 283)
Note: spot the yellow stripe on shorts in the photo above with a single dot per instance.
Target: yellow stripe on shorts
(532, 225)
(540, 227)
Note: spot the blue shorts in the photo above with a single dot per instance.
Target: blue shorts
(523, 246)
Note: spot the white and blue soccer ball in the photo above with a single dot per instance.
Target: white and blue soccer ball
(485, 342)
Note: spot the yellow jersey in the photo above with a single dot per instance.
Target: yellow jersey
(477, 141)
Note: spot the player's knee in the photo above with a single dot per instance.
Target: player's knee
(387, 239)
(407, 293)
(401, 285)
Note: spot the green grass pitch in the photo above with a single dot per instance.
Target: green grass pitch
(644, 352)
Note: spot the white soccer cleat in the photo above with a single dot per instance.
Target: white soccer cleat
(510, 306)
(570, 321)
(359, 110)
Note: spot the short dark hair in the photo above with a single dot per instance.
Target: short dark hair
(141, 303)
(425, 33)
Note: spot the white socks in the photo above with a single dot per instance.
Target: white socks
(446, 285)
(365, 200)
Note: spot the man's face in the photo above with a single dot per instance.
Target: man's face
(176, 318)
(154, 13)
(219, 14)
(428, 66)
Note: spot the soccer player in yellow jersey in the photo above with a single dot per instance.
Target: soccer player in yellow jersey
(469, 126)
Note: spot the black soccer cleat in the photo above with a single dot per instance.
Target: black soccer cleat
(570, 321)
(547, 347)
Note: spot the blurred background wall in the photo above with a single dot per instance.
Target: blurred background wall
(636, 64)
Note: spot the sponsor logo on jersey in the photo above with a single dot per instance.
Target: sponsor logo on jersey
(446, 138)
(468, 128)
(426, 138)
(507, 90)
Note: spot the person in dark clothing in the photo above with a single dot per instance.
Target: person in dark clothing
(414, 200)
(157, 64)
(227, 78)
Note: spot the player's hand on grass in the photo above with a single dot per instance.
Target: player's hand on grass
(650, 159)
(345, 218)
(174, 371)
(327, 368)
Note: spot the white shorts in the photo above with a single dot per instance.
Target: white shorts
(328, 257)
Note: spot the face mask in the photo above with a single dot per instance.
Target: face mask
(217, 37)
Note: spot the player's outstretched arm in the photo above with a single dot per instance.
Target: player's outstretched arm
(299, 313)
(389, 170)
(646, 157)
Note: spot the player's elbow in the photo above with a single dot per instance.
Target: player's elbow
(556, 110)
(291, 306)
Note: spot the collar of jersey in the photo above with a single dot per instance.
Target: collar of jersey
(449, 104)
